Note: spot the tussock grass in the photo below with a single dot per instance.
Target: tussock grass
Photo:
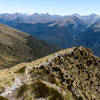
(7, 75)
(3, 98)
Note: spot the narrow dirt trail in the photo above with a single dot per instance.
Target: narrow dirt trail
(10, 91)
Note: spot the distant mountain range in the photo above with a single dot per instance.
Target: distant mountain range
(63, 31)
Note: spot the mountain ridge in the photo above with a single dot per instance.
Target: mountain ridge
(71, 74)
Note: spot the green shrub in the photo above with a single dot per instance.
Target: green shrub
(21, 90)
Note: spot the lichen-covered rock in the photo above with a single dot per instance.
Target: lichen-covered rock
(77, 71)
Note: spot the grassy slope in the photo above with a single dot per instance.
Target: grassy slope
(17, 47)
(7, 75)
(82, 75)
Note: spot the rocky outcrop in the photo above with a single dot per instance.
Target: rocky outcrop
(72, 74)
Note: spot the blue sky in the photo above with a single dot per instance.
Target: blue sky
(60, 7)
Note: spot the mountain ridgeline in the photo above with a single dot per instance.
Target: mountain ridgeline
(63, 31)
(17, 47)
(72, 74)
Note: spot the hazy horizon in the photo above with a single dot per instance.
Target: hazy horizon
(50, 14)
(53, 7)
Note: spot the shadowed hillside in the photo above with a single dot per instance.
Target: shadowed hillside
(90, 37)
(17, 47)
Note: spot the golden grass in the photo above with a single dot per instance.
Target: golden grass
(8, 31)
(7, 75)
(17, 47)
(46, 58)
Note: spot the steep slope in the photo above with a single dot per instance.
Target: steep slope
(91, 37)
(72, 74)
(17, 47)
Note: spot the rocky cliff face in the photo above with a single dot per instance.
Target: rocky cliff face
(72, 74)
